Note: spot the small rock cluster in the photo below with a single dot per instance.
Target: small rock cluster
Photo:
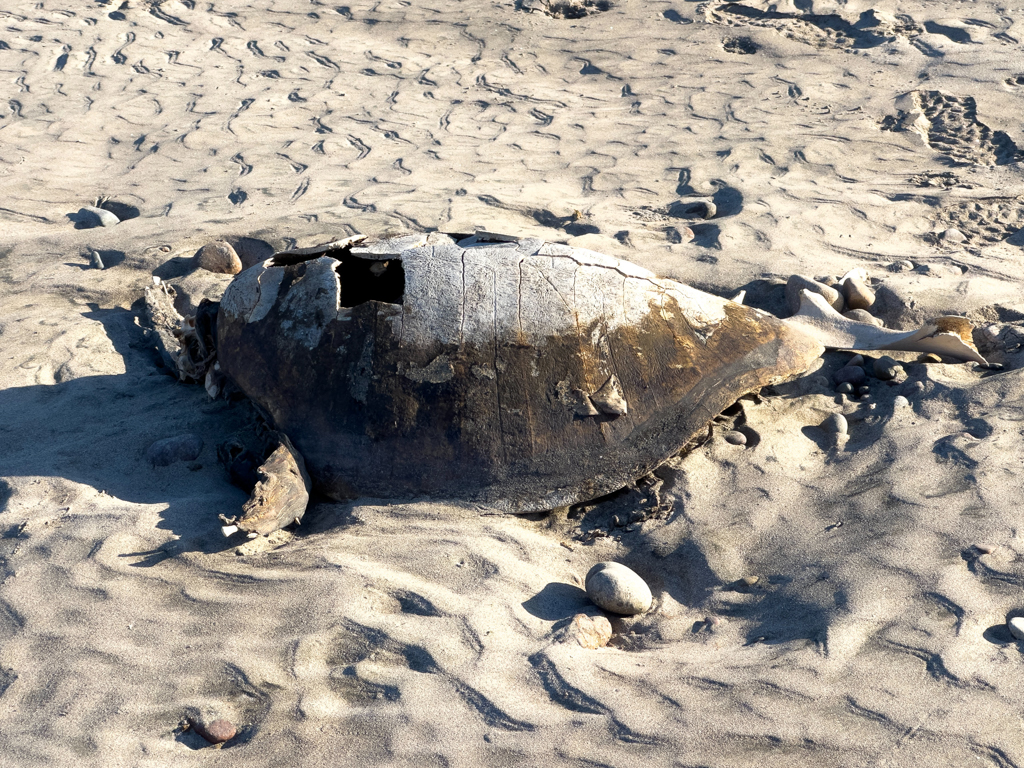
(852, 379)
(1008, 339)
(628, 509)
(850, 296)
(612, 587)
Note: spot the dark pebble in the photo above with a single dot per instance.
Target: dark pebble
(735, 438)
(853, 374)
(845, 388)
(886, 369)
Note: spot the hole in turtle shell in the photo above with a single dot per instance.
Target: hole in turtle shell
(364, 280)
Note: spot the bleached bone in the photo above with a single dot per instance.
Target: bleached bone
(950, 335)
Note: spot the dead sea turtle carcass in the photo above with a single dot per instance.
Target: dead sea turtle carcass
(523, 374)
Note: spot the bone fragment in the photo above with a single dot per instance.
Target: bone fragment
(950, 336)
(609, 398)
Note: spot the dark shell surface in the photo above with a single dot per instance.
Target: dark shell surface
(523, 375)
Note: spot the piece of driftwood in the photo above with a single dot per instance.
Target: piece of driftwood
(280, 496)
(162, 322)
(520, 374)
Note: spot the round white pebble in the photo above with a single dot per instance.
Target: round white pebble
(1016, 627)
(616, 588)
(900, 402)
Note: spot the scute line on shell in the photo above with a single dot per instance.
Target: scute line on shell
(265, 302)
(462, 325)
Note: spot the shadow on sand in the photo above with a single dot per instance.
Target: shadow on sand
(93, 430)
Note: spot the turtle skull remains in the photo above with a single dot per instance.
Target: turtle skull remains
(519, 374)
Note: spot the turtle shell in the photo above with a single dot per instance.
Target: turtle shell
(522, 374)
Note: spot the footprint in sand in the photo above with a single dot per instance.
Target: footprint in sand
(950, 125)
(828, 30)
(985, 221)
(564, 9)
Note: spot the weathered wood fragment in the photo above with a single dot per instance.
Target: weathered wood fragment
(162, 322)
(281, 493)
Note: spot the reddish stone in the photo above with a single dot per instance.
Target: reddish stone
(216, 732)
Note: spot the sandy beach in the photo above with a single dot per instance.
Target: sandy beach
(817, 601)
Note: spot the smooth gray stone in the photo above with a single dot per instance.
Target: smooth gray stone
(1016, 627)
(798, 283)
(885, 368)
(863, 316)
(851, 374)
(735, 438)
(616, 588)
(102, 217)
(836, 424)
